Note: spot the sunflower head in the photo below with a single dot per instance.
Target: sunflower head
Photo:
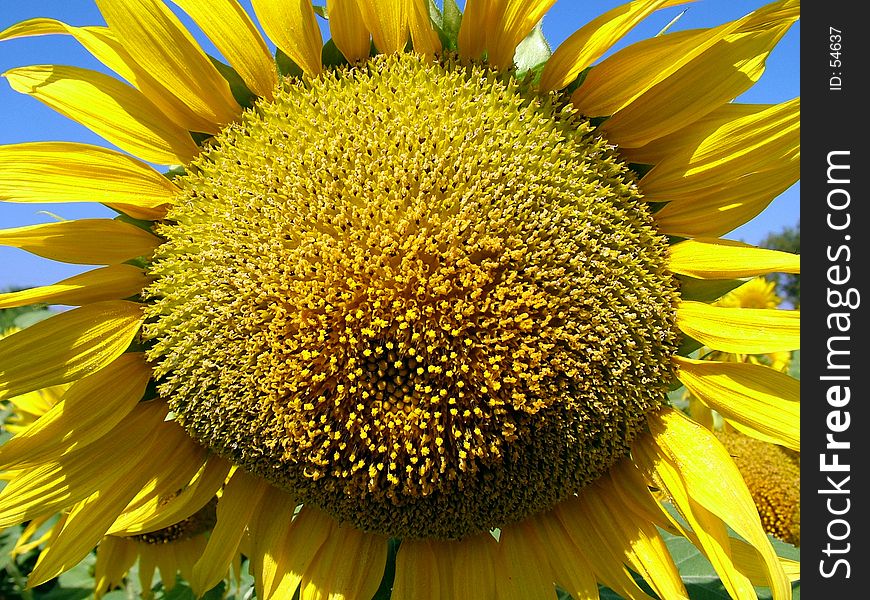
(391, 289)
(772, 475)
(422, 298)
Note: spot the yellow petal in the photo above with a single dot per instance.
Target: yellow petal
(108, 283)
(474, 567)
(27, 540)
(617, 80)
(620, 79)
(714, 258)
(416, 572)
(687, 138)
(85, 241)
(423, 35)
(750, 563)
(73, 477)
(716, 159)
(738, 61)
(234, 511)
(717, 211)
(292, 25)
(388, 22)
(523, 571)
(348, 29)
(105, 47)
(72, 172)
(67, 346)
(570, 567)
(332, 575)
(163, 506)
(90, 408)
(147, 565)
(188, 459)
(188, 551)
(740, 330)
(632, 540)
(267, 532)
(99, 41)
(167, 563)
(682, 454)
(231, 30)
(159, 43)
(591, 41)
(292, 558)
(117, 112)
(88, 521)
(607, 566)
(756, 397)
(480, 17)
(115, 556)
(82, 530)
(517, 20)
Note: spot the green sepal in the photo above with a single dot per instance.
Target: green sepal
(640, 169)
(655, 207)
(151, 392)
(447, 23)
(241, 93)
(200, 138)
(688, 345)
(532, 55)
(578, 81)
(175, 171)
(140, 223)
(286, 66)
(320, 11)
(386, 587)
(331, 56)
(706, 290)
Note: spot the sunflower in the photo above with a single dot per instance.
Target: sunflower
(772, 475)
(173, 550)
(757, 293)
(404, 293)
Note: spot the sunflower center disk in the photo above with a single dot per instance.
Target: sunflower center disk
(419, 296)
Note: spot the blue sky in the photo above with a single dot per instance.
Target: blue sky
(23, 119)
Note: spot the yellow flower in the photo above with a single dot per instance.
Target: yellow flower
(173, 549)
(773, 477)
(403, 294)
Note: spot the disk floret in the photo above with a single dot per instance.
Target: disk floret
(418, 295)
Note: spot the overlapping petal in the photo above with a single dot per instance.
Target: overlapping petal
(84, 241)
(119, 113)
(292, 26)
(159, 43)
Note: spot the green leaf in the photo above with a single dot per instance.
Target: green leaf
(31, 317)
(18, 316)
(532, 53)
(8, 539)
(794, 368)
(320, 11)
